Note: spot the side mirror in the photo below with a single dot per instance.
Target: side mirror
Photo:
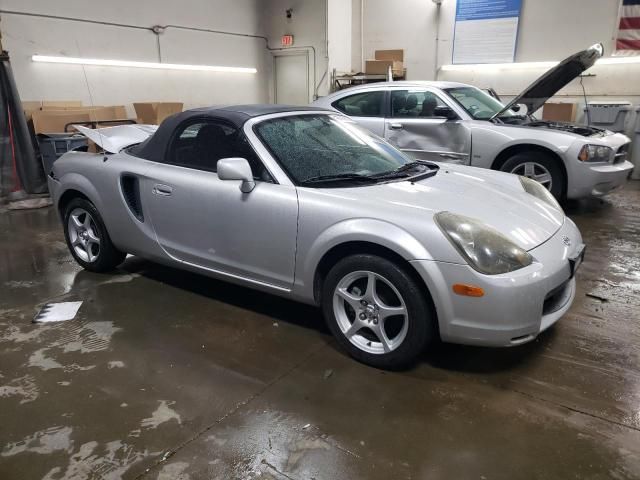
(236, 169)
(445, 112)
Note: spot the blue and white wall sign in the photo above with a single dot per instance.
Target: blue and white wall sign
(486, 31)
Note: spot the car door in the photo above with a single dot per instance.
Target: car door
(204, 221)
(366, 108)
(416, 125)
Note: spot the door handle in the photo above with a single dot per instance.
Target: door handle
(451, 156)
(395, 126)
(164, 190)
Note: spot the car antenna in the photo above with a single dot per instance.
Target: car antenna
(86, 81)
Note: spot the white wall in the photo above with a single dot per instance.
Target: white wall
(308, 25)
(25, 36)
(339, 24)
(406, 24)
(549, 30)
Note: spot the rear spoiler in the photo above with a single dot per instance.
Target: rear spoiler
(114, 139)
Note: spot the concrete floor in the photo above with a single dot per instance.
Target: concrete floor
(169, 375)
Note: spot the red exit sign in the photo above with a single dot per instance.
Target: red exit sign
(287, 40)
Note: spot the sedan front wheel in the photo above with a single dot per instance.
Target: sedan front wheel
(539, 167)
(377, 311)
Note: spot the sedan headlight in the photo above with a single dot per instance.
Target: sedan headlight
(485, 249)
(595, 153)
(539, 191)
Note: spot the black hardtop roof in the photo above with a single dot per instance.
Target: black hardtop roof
(154, 147)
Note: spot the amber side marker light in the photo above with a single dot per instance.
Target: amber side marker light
(468, 290)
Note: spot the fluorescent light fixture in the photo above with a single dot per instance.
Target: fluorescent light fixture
(126, 63)
(498, 66)
(525, 65)
(618, 60)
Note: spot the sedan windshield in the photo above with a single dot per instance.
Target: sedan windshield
(318, 148)
(477, 103)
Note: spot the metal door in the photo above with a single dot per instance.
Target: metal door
(292, 79)
(413, 125)
(204, 221)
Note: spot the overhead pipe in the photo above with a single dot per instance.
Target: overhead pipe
(158, 29)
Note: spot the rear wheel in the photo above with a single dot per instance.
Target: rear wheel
(377, 311)
(87, 237)
(540, 167)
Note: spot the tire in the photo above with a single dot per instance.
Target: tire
(87, 237)
(356, 317)
(538, 166)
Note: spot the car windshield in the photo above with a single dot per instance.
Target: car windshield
(324, 147)
(477, 103)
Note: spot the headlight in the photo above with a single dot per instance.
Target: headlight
(486, 250)
(595, 153)
(539, 191)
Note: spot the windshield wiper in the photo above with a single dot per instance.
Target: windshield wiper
(339, 177)
(402, 170)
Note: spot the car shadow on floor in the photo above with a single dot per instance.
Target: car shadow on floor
(444, 356)
(472, 359)
(278, 308)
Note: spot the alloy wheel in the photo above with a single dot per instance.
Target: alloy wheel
(83, 235)
(536, 172)
(370, 312)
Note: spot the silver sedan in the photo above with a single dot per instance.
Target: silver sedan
(307, 205)
(454, 122)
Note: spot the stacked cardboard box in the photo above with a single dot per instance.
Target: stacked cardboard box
(153, 113)
(53, 117)
(385, 59)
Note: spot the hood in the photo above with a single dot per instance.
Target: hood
(114, 139)
(545, 87)
(495, 198)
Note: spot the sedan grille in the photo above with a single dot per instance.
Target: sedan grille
(621, 154)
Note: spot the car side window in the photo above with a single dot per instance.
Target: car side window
(415, 104)
(201, 144)
(367, 104)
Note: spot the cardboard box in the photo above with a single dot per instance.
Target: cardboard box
(380, 67)
(29, 107)
(61, 103)
(559, 112)
(393, 55)
(153, 113)
(54, 120)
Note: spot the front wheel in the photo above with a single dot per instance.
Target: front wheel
(87, 237)
(540, 167)
(377, 311)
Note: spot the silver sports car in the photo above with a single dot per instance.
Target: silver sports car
(454, 122)
(305, 204)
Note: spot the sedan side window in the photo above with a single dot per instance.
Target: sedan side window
(367, 104)
(415, 104)
(200, 145)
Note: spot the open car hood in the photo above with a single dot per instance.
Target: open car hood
(114, 139)
(545, 87)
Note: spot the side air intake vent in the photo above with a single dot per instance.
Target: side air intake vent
(131, 191)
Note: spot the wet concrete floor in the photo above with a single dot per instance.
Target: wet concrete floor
(169, 375)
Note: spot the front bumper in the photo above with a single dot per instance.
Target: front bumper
(516, 306)
(597, 179)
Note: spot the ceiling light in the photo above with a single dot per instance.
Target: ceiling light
(126, 63)
(524, 65)
(498, 66)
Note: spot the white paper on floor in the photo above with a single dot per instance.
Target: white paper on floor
(57, 312)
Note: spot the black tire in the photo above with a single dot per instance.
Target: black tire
(516, 163)
(421, 321)
(107, 257)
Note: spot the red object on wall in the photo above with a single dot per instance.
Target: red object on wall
(287, 40)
